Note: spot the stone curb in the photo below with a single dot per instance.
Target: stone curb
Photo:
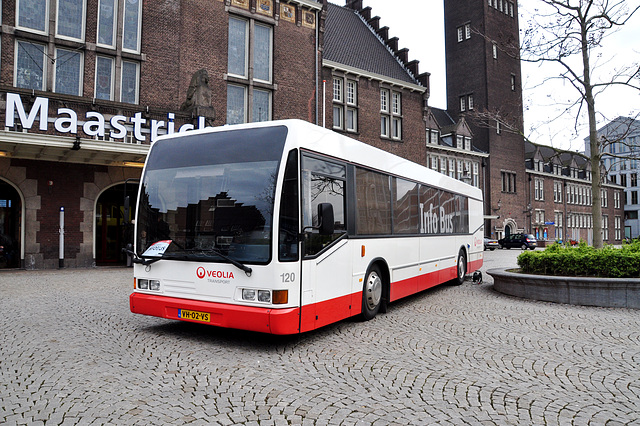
(584, 291)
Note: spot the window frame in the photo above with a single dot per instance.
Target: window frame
(29, 29)
(80, 71)
(114, 26)
(138, 28)
(44, 66)
(137, 90)
(83, 28)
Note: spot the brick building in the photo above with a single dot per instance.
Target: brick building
(85, 86)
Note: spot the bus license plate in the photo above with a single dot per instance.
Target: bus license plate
(194, 315)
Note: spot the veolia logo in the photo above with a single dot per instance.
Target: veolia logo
(202, 273)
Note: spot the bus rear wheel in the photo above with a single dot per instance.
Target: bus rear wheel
(461, 268)
(372, 293)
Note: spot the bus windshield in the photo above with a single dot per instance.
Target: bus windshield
(210, 197)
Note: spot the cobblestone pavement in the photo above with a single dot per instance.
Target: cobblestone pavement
(72, 353)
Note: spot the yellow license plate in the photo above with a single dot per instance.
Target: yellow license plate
(194, 315)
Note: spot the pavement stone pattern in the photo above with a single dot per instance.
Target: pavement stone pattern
(72, 354)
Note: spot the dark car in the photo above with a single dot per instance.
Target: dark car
(490, 244)
(523, 241)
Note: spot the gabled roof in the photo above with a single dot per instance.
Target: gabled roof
(349, 41)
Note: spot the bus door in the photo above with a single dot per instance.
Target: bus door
(326, 259)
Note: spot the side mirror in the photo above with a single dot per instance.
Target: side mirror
(325, 219)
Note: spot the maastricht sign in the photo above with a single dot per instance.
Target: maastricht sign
(95, 124)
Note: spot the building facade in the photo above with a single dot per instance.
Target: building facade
(621, 148)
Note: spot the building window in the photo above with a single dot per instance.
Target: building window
(617, 220)
(30, 66)
(558, 222)
(433, 136)
(634, 197)
(396, 116)
(129, 82)
(467, 144)
(131, 25)
(476, 175)
(460, 142)
(605, 227)
(470, 102)
(104, 78)
(452, 167)
(464, 32)
(33, 15)
(467, 31)
(634, 180)
(539, 189)
(236, 104)
(494, 49)
(498, 127)
(261, 105)
(352, 106)
(384, 113)
(557, 192)
(68, 72)
(70, 19)
(616, 199)
(508, 181)
(460, 31)
(513, 83)
(604, 202)
(434, 163)
(246, 103)
(463, 103)
(107, 13)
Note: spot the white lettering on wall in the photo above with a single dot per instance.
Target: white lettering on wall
(67, 121)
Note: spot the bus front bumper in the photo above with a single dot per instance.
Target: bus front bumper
(263, 320)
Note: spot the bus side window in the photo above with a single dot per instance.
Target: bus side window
(322, 182)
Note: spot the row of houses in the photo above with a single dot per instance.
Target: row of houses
(87, 85)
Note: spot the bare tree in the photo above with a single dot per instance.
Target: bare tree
(568, 33)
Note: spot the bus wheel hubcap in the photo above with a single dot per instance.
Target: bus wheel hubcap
(373, 290)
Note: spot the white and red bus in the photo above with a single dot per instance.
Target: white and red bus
(283, 227)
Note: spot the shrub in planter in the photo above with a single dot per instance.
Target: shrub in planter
(583, 260)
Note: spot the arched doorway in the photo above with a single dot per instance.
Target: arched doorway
(10, 226)
(507, 230)
(113, 230)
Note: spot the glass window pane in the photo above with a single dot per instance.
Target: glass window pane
(71, 18)
(104, 78)
(32, 14)
(129, 88)
(261, 105)
(106, 22)
(237, 55)
(131, 32)
(68, 72)
(352, 119)
(406, 214)
(262, 53)
(337, 116)
(236, 104)
(373, 203)
(30, 66)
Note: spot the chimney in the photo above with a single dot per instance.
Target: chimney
(403, 54)
(424, 79)
(366, 13)
(374, 22)
(413, 67)
(384, 33)
(393, 44)
(354, 4)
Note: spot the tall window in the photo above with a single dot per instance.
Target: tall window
(245, 102)
(508, 181)
(539, 189)
(338, 103)
(68, 72)
(30, 65)
(385, 118)
(345, 98)
(129, 85)
(131, 25)
(396, 116)
(70, 19)
(352, 106)
(33, 15)
(107, 12)
(104, 77)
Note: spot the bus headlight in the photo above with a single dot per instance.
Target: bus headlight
(276, 297)
(154, 285)
(248, 294)
(264, 296)
(143, 284)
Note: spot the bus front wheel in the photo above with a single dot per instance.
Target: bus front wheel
(372, 293)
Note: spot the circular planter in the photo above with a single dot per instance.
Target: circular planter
(586, 291)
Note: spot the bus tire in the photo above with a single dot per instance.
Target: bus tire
(372, 293)
(461, 268)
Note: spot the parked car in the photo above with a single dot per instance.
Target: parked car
(490, 244)
(523, 241)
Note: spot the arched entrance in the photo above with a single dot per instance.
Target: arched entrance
(10, 226)
(507, 230)
(113, 230)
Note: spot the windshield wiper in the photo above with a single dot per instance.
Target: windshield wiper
(135, 258)
(247, 270)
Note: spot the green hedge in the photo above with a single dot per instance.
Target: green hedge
(583, 261)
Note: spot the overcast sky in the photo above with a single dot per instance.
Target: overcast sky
(419, 25)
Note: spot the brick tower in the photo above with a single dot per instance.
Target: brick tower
(483, 84)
